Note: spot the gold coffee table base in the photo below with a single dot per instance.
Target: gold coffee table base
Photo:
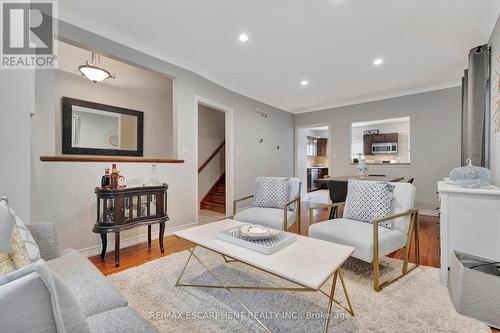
(229, 288)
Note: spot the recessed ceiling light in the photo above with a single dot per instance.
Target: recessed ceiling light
(243, 37)
(304, 82)
(378, 61)
(237, 75)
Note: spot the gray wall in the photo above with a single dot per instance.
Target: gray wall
(63, 192)
(156, 105)
(495, 94)
(16, 104)
(435, 136)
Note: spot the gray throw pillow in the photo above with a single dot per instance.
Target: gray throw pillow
(271, 192)
(368, 201)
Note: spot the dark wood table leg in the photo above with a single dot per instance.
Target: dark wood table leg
(104, 240)
(162, 232)
(117, 249)
(149, 235)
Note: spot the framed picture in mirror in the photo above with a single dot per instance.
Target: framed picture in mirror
(90, 128)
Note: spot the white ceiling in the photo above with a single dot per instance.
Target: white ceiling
(331, 43)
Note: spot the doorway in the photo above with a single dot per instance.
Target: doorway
(214, 161)
(312, 161)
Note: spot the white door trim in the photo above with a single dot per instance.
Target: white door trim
(229, 137)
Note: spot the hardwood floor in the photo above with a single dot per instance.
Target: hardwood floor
(138, 254)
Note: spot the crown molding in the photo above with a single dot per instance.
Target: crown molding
(401, 93)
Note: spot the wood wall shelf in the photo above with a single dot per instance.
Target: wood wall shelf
(107, 159)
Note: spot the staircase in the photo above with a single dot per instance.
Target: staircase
(215, 200)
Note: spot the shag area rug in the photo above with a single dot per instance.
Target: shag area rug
(415, 303)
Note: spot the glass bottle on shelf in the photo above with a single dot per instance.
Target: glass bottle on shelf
(135, 207)
(120, 180)
(114, 177)
(144, 205)
(105, 180)
(110, 214)
(153, 181)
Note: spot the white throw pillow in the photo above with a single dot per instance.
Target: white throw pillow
(28, 240)
(271, 192)
(368, 201)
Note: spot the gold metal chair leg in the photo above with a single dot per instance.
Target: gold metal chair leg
(412, 230)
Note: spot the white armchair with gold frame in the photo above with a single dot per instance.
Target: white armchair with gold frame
(272, 217)
(373, 241)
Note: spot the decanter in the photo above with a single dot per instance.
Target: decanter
(153, 181)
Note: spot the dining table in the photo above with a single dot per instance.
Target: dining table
(337, 186)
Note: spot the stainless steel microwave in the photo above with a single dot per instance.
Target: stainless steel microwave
(385, 148)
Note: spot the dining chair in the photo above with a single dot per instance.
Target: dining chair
(264, 209)
(373, 238)
(337, 190)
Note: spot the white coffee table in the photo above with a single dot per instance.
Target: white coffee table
(307, 262)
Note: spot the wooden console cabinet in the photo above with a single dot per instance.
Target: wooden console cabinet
(122, 209)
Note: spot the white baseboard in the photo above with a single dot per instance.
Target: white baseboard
(95, 250)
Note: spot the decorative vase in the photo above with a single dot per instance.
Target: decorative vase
(471, 176)
(362, 167)
(153, 181)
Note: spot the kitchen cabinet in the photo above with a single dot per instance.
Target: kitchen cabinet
(385, 137)
(312, 146)
(322, 147)
(368, 140)
(367, 144)
(317, 146)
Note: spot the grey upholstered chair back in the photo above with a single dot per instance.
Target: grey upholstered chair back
(295, 185)
(403, 199)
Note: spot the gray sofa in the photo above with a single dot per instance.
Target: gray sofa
(104, 308)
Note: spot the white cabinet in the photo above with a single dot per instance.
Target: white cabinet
(470, 223)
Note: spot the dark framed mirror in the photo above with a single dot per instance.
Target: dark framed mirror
(90, 128)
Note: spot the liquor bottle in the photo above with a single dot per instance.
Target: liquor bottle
(120, 181)
(114, 177)
(105, 180)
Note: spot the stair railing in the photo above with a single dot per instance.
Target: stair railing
(211, 157)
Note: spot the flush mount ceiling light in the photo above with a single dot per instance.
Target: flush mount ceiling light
(304, 83)
(95, 73)
(378, 61)
(243, 38)
(237, 75)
